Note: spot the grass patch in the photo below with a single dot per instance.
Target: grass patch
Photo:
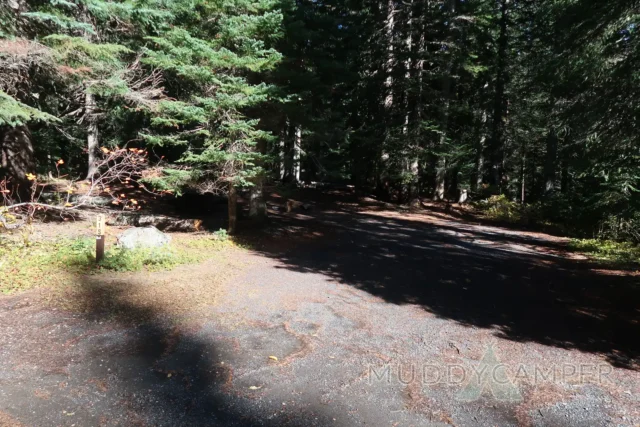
(618, 253)
(27, 265)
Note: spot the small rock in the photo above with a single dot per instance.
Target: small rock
(143, 237)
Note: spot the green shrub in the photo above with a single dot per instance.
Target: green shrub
(80, 253)
(221, 235)
(608, 250)
(620, 228)
(500, 208)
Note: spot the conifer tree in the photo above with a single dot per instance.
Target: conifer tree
(209, 57)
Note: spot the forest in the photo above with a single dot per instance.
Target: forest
(301, 213)
(530, 104)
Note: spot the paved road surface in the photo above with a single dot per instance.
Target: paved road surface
(343, 318)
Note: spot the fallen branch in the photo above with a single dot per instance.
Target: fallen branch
(122, 165)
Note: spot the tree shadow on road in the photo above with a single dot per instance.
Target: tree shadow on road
(474, 276)
(129, 363)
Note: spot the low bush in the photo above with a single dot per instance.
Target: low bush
(608, 250)
(500, 208)
(620, 228)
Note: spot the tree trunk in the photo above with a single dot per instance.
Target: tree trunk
(257, 204)
(482, 117)
(408, 67)
(92, 134)
(441, 171)
(282, 153)
(564, 179)
(387, 102)
(297, 142)
(16, 154)
(388, 66)
(289, 147)
(479, 178)
(411, 163)
(499, 108)
(550, 162)
(420, 49)
(233, 209)
(441, 167)
(523, 169)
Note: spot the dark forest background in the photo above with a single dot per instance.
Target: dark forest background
(532, 104)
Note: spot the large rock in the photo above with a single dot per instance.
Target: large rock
(143, 237)
(161, 222)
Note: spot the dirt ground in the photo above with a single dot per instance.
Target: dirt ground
(335, 316)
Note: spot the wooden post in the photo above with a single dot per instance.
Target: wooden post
(100, 231)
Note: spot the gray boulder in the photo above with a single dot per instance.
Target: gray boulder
(161, 222)
(143, 237)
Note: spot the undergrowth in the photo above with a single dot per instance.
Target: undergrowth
(501, 209)
(609, 251)
(30, 264)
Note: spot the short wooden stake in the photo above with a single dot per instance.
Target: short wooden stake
(100, 229)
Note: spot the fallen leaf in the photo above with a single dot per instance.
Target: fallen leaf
(273, 358)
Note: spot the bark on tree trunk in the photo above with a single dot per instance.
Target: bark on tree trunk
(257, 205)
(387, 102)
(290, 146)
(233, 209)
(550, 162)
(481, 136)
(408, 67)
(284, 152)
(441, 167)
(497, 133)
(523, 169)
(92, 134)
(420, 49)
(281, 153)
(297, 142)
(564, 180)
(477, 185)
(441, 171)
(411, 160)
(388, 66)
(16, 154)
